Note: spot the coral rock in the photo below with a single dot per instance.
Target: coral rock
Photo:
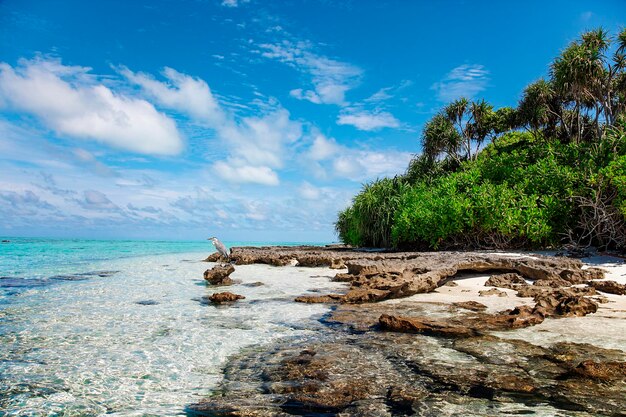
(219, 275)
(610, 287)
(225, 297)
(511, 281)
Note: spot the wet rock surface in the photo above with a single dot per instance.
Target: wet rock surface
(381, 374)
(405, 358)
(219, 275)
(147, 302)
(225, 297)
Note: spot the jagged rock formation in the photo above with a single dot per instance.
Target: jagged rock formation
(610, 287)
(219, 275)
(511, 281)
(380, 276)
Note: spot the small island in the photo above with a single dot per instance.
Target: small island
(548, 173)
(312, 208)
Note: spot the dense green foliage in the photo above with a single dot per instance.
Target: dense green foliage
(553, 172)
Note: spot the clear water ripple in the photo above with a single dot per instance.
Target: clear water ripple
(90, 347)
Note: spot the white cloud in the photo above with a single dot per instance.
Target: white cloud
(368, 121)
(236, 171)
(329, 159)
(262, 140)
(360, 165)
(69, 101)
(380, 95)
(309, 192)
(323, 148)
(25, 202)
(90, 160)
(95, 200)
(144, 209)
(255, 144)
(309, 95)
(331, 79)
(181, 92)
(234, 3)
(463, 81)
(190, 203)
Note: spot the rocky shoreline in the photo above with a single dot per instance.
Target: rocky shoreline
(383, 353)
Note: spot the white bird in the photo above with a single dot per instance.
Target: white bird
(220, 247)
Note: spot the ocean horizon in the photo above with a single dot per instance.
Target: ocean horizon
(40, 256)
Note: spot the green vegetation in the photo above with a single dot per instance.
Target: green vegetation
(553, 171)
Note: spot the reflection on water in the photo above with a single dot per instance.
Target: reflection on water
(137, 342)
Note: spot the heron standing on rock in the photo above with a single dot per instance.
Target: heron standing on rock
(220, 248)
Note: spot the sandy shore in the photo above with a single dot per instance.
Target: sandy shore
(606, 328)
(402, 339)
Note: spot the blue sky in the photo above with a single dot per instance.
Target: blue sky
(245, 119)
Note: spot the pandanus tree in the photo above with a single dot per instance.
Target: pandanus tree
(586, 92)
(460, 129)
(539, 108)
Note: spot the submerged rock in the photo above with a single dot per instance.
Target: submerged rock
(253, 284)
(424, 326)
(147, 302)
(384, 374)
(225, 297)
(219, 275)
(316, 299)
(601, 370)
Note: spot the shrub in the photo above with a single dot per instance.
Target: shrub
(369, 220)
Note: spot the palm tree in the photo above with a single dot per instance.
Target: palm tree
(539, 108)
(590, 84)
(440, 136)
(459, 130)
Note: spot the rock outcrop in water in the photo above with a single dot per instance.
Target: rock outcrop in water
(384, 374)
(396, 359)
(219, 275)
(225, 297)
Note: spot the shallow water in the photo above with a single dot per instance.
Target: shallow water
(137, 342)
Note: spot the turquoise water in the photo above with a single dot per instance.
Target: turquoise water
(120, 328)
(40, 257)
